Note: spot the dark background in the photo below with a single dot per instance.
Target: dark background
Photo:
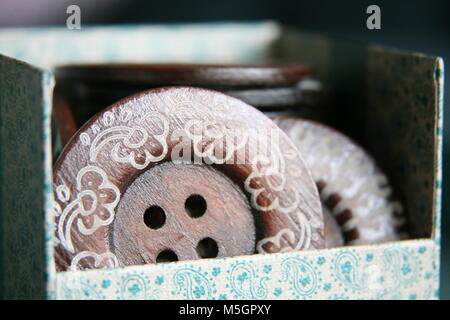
(410, 25)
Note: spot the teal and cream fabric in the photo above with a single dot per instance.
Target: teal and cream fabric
(391, 271)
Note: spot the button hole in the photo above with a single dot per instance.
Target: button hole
(195, 206)
(166, 256)
(207, 248)
(154, 217)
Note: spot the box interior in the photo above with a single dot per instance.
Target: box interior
(377, 103)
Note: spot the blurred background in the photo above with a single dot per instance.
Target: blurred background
(415, 25)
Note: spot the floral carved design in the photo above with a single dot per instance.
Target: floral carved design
(92, 207)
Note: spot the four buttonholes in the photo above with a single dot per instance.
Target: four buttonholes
(195, 206)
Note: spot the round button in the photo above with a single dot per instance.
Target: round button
(194, 211)
(352, 187)
(115, 203)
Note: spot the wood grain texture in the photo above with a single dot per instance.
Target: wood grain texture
(227, 220)
(183, 125)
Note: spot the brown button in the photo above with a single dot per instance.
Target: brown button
(93, 87)
(352, 187)
(185, 74)
(63, 122)
(194, 211)
(170, 174)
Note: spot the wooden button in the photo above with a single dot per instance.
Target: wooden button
(63, 122)
(93, 87)
(144, 153)
(351, 185)
(174, 207)
(211, 76)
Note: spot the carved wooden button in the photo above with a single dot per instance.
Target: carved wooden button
(181, 173)
(351, 185)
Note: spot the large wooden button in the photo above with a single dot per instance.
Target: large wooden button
(119, 165)
(351, 185)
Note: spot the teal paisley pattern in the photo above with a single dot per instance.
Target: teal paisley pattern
(246, 283)
(134, 287)
(300, 275)
(85, 290)
(351, 272)
(403, 265)
(192, 284)
(389, 271)
(402, 271)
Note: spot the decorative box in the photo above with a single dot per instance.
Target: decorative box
(390, 102)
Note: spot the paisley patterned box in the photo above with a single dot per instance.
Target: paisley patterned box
(391, 101)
